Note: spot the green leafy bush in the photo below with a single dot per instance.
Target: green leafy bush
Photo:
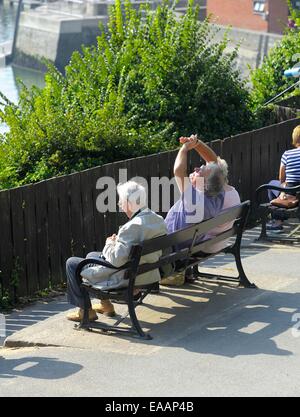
(268, 80)
(294, 18)
(151, 77)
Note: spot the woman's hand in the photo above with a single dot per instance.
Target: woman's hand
(202, 148)
(282, 196)
(189, 143)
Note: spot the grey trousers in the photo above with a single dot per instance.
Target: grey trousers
(74, 292)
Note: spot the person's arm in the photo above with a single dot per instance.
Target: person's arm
(180, 165)
(282, 169)
(117, 250)
(282, 176)
(203, 150)
(206, 152)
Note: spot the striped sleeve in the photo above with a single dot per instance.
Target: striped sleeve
(284, 159)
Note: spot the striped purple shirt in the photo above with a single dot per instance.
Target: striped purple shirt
(291, 160)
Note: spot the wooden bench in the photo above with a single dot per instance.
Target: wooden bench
(188, 256)
(263, 210)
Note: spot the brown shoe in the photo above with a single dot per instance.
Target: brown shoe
(78, 315)
(105, 307)
(173, 281)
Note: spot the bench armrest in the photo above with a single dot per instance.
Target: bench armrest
(97, 261)
(265, 187)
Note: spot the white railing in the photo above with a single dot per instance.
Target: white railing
(69, 7)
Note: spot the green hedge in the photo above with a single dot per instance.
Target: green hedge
(269, 80)
(151, 77)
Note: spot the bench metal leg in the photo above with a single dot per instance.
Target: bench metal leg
(131, 309)
(289, 240)
(264, 218)
(135, 322)
(135, 330)
(137, 303)
(243, 280)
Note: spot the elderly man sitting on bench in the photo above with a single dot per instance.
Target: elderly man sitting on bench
(143, 224)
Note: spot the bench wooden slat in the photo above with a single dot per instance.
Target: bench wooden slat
(204, 246)
(186, 234)
(182, 254)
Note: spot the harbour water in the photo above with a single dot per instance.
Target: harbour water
(7, 21)
(9, 74)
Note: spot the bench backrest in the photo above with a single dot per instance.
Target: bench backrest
(237, 214)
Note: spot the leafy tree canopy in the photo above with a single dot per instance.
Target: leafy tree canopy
(269, 80)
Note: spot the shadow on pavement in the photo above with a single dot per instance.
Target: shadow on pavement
(18, 320)
(247, 330)
(37, 367)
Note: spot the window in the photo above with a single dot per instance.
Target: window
(296, 4)
(259, 6)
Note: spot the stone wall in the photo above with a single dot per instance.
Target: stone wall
(254, 45)
(53, 36)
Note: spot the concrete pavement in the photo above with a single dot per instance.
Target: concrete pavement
(208, 339)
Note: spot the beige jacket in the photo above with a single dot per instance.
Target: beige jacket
(143, 226)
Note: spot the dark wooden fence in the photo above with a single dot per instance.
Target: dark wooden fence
(283, 113)
(43, 224)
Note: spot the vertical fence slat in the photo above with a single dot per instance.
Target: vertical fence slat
(6, 244)
(110, 218)
(245, 183)
(30, 238)
(19, 260)
(119, 216)
(256, 169)
(236, 147)
(54, 233)
(163, 171)
(175, 190)
(275, 154)
(152, 173)
(41, 197)
(99, 220)
(87, 211)
(240, 163)
(64, 189)
(76, 216)
(227, 154)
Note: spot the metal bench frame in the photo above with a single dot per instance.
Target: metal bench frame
(263, 210)
(189, 256)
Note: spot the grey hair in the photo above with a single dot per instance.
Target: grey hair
(224, 167)
(214, 183)
(132, 192)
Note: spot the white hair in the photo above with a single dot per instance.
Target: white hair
(214, 183)
(132, 192)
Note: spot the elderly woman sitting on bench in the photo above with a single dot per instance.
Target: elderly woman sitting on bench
(204, 193)
(289, 176)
